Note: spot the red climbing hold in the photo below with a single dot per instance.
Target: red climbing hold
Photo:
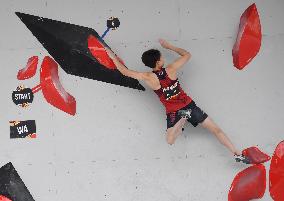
(276, 174)
(248, 184)
(33, 135)
(248, 41)
(255, 155)
(30, 69)
(52, 89)
(3, 198)
(99, 52)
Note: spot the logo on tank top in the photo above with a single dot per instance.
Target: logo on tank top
(171, 91)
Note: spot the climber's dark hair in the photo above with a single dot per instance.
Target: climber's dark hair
(150, 57)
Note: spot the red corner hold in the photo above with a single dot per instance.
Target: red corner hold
(3, 198)
(248, 184)
(248, 41)
(98, 51)
(52, 89)
(255, 155)
(30, 69)
(276, 173)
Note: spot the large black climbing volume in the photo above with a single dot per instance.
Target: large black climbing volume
(68, 45)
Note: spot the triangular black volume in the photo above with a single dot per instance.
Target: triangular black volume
(12, 186)
(68, 45)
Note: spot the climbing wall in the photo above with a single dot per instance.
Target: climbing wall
(113, 146)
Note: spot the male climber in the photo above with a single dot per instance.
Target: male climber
(179, 106)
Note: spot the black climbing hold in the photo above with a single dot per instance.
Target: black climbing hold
(12, 186)
(68, 45)
(113, 23)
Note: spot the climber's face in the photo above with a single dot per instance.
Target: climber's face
(160, 63)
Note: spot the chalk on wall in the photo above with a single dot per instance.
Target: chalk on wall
(23, 129)
(68, 45)
(12, 186)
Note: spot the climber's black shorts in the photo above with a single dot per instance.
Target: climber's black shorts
(196, 115)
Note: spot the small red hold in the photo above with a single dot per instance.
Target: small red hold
(30, 69)
(248, 184)
(255, 155)
(276, 174)
(248, 41)
(3, 198)
(33, 135)
(52, 89)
